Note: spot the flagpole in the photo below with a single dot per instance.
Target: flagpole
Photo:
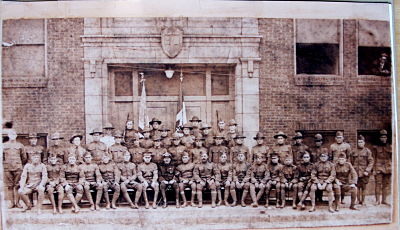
(183, 101)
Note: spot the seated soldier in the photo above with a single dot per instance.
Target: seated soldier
(258, 178)
(167, 178)
(111, 177)
(225, 179)
(304, 183)
(33, 178)
(92, 180)
(346, 180)
(53, 182)
(71, 180)
(205, 173)
(289, 178)
(322, 177)
(275, 169)
(148, 176)
(241, 179)
(186, 179)
(128, 180)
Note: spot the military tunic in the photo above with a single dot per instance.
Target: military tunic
(137, 154)
(128, 174)
(130, 136)
(54, 175)
(362, 162)
(235, 150)
(13, 159)
(205, 172)
(117, 151)
(216, 151)
(33, 175)
(185, 171)
(148, 172)
(274, 172)
(91, 173)
(323, 172)
(196, 153)
(32, 150)
(298, 150)
(167, 172)
(58, 151)
(176, 152)
(225, 172)
(241, 172)
(146, 143)
(336, 149)
(283, 151)
(259, 173)
(383, 159)
(97, 149)
(289, 174)
(157, 154)
(259, 151)
(77, 151)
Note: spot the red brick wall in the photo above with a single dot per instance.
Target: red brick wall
(60, 105)
(355, 105)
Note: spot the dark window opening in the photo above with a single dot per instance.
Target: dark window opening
(317, 58)
(374, 61)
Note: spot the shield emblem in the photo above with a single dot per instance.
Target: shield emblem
(171, 41)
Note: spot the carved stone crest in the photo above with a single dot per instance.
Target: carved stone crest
(171, 41)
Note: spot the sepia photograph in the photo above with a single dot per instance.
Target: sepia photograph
(209, 115)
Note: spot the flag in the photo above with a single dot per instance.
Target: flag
(181, 115)
(143, 118)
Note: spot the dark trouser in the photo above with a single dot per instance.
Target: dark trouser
(340, 190)
(382, 186)
(11, 181)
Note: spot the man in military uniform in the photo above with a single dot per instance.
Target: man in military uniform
(186, 178)
(91, 180)
(322, 176)
(33, 148)
(167, 178)
(240, 148)
(117, 150)
(339, 147)
(188, 139)
(382, 154)
(232, 133)
(205, 173)
(71, 180)
(108, 138)
(260, 149)
(76, 149)
(218, 149)
(130, 134)
(54, 168)
(274, 179)
(96, 147)
(298, 148)
(136, 151)
(166, 141)
(56, 149)
(258, 177)
(198, 149)
(241, 179)
(195, 123)
(176, 149)
(146, 142)
(316, 149)
(111, 177)
(157, 151)
(148, 176)
(128, 180)
(221, 129)
(304, 183)
(283, 150)
(289, 179)
(346, 180)
(224, 180)
(14, 158)
(362, 162)
(33, 178)
(207, 134)
(155, 125)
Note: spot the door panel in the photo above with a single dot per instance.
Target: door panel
(224, 110)
(196, 109)
(119, 114)
(165, 111)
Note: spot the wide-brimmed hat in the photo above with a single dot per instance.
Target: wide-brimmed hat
(118, 133)
(239, 136)
(96, 130)
(167, 154)
(108, 125)
(232, 122)
(280, 134)
(199, 138)
(259, 135)
(175, 136)
(339, 134)
(298, 135)
(32, 135)
(383, 132)
(219, 137)
(56, 136)
(164, 128)
(318, 137)
(188, 126)
(361, 138)
(146, 129)
(205, 126)
(195, 118)
(75, 135)
(155, 120)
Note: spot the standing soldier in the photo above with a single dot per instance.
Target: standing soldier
(155, 125)
(258, 177)
(221, 129)
(346, 180)
(128, 180)
(241, 179)
(117, 150)
(304, 169)
(198, 149)
(166, 141)
(176, 149)
(56, 149)
(260, 149)
(298, 147)
(207, 135)
(225, 179)
(71, 180)
(274, 180)
(218, 149)
(111, 177)
(362, 162)
(232, 133)
(283, 150)
(146, 142)
(136, 151)
(33, 178)
(148, 176)
(108, 138)
(289, 179)
(33, 148)
(322, 176)
(54, 168)
(186, 178)
(316, 150)
(195, 123)
(167, 178)
(188, 139)
(76, 149)
(240, 148)
(205, 173)
(96, 147)
(339, 147)
(91, 180)
(14, 158)
(157, 151)
(382, 154)
(130, 134)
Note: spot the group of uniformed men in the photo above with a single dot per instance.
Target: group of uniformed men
(196, 158)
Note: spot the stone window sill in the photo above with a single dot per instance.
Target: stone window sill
(374, 80)
(318, 80)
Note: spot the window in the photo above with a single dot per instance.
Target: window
(220, 81)
(123, 83)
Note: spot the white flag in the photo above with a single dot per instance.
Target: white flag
(143, 118)
(181, 116)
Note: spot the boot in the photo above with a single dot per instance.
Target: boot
(277, 195)
(16, 198)
(330, 201)
(234, 197)
(98, 198)
(219, 197)
(75, 207)
(89, 197)
(283, 199)
(243, 203)
(60, 201)
(114, 200)
(384, 197)
(353, 200)
(146, 201)
(178, 204)
(184, 200)
(107, 198)
(192, 203)
(213, 198)
(164, 196)
(266, 200)
(200, 199)
(302, 198)
(312, 197)
(155, 199)
(27, 202)
(337, 203)
(377, 195)
(253, 198)
(52, 200)
(294, 198)
(137, 197)
(226, 196)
